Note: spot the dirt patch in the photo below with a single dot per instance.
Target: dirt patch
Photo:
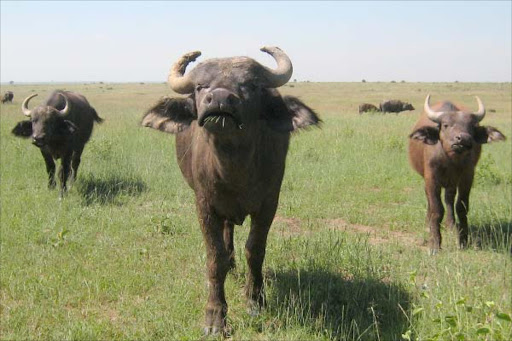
(294, 226)
(376, 235)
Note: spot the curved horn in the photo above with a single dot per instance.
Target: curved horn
(283, 73)
(180, 83)
(66, 107)
(24, 105)
(480, 114)
(432, 115)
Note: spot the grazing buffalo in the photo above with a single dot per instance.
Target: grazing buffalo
(367, 107)
(444, 149)
(60, 127)
(394, 105)
(232, 136)
(8, 96)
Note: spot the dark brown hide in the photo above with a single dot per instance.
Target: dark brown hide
(445, 154)
(232, 136)
(367, 107)
(7, 97)
(394, 105)
(58, 135)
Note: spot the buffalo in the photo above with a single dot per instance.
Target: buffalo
(60, 127)
(8, 96)
(394, 105)
(444, 149)
(367, 107)
(232, 137)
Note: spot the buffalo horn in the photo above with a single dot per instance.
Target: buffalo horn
(283, 73)
(431, 114)
(480, 114)
(24, 105)
(66, 107)
(177, 80)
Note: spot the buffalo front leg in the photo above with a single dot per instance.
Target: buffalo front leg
(50, 169)
(434, 215)
(228, 243)
(449, 199)
(217, 268)
(65, 168)
(255, 254)
(462, 208)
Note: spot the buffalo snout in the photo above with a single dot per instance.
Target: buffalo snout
(220, 108)
(221, 100)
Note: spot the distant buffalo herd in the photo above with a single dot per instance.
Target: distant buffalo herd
(233, 129)
(386, 106)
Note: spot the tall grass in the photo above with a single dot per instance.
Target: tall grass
(121, 257)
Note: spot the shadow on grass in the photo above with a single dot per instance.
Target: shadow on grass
(108, 191)
(343, 309)
(494, 236)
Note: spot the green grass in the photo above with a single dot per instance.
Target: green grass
(122, 257)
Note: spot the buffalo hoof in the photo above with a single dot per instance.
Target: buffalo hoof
(52, 184)
(434, 251)
(253, 308)
(215, 321)
(450, 225)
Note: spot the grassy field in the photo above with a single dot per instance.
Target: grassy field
(122, 257)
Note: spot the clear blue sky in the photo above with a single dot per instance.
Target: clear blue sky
(123, 41)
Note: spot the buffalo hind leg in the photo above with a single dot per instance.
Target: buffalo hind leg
(75, 162)
(228, 243)
(65, 168)
(449, 199)
(50, 169)
(217, 256)
(255, 254)
(434, 215)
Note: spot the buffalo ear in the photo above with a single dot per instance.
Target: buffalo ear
(170, 115)
(487, 134)
(286, 114)
(429, 135)
(23, 129)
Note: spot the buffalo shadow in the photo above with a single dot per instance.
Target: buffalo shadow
(109, 190)
(495, 236)
(341, 308)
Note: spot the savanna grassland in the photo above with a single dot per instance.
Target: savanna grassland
(122, 256)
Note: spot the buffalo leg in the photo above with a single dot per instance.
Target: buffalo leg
(50, 169)
(64, 171)
(449, 199)
(228, 243)
(462, 208)
(217, 267)
(75, 162)
(434, 215)
(255, 255)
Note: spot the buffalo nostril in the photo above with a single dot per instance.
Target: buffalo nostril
(209, 98)
(458, 138)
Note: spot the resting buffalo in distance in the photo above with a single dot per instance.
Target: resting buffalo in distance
(60, 127)
(367, 107)
(394, 105)
(232, 136)
(8, 96)
(444, 149)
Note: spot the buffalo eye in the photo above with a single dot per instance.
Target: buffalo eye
(249, 87)
(445, 126)
(200, 87)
